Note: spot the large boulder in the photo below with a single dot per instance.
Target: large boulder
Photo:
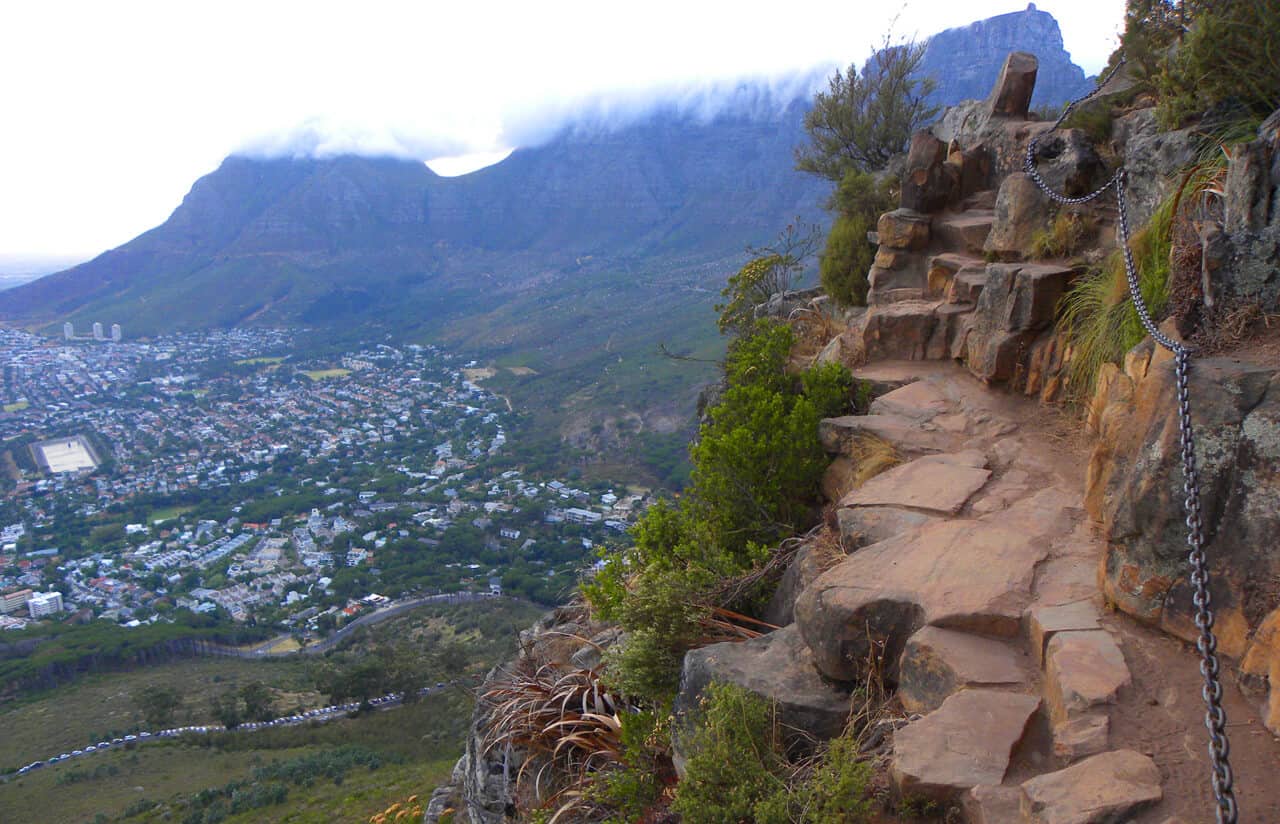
(1017, 301)
(777, 667)
(1011, 96)
(1068, 163)
(929, 183)
(1154, 160)
(903, 229)
(1021, 211)
(968, 575)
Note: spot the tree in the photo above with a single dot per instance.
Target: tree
(157, 705)
(226, 708)
(257, 701)
(863, 119)
(772, 269)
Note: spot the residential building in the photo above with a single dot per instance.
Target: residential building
(44, 604)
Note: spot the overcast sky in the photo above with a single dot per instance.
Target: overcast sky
(110, 110)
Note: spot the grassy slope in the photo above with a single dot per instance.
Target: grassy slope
(422, 741)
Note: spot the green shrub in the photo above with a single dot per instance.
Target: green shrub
(738, 770)
(1230, 55)
(858, 202)
(757, 464)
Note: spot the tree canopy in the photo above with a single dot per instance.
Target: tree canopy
(865, 118)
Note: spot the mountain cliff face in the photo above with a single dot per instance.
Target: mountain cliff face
(965, 60)
(352, 240)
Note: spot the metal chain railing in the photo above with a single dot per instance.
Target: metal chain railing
(1207, 644)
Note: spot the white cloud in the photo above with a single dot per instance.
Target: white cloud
(111, 110)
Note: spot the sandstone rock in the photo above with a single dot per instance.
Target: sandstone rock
(889, 258)
(1082, 736)
(942, 270)
(1263, 659)
(903, 229)
(938, 663)
(1011, 96)
(928, 182)
(1150, 154)
(954, 323)
(896, 284)
(935, 483)
(1084, 669)
(965, 231)
(919, 402)
(866, 525)
(837, 435)
(967, 575)
(967, 285)
(965, 743)
(1105, 789)
(899, 331)
(1021, 210)
(1016, 301)
(776, 667)
(838, 479)
(1044, 622)
(844, 349)
(884, 377)
(1068, 163)
(1136, 486)
(987, 804)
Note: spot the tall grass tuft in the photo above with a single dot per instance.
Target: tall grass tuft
(1098, 316)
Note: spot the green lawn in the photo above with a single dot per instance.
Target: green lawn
(262, 360)
(16, 407)
(168, 513)
(322, 374)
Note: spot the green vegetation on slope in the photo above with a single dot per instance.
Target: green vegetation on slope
(756, 467)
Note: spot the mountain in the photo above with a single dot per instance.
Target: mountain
(965, 60)
(575, 258)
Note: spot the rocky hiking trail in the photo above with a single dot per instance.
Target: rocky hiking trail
(972, 578)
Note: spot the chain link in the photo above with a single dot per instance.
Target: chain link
(1215, 717)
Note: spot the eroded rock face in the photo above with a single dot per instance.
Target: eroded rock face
(1135, 489)
(1018, 300)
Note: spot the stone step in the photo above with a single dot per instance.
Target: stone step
(937, 663)
(866, 525)
(935, 484)
(838, 435)
(942, 269)
(963, 231)
(899, 330)
(974, 576)
(965, 743)
(1109, 787)
(985, 199)
(884, 377)
(920, 402)
(1084, 673)
(966, 286)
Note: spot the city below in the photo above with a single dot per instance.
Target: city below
(226, 477)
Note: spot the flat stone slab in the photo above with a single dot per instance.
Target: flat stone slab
(935, 483)
(1083, 670)
(866, 525)
(937, 663)
(969, 575)
(838, 434)
(965, 743)
(1044, 622)
(1103, 789)
(919, 401)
